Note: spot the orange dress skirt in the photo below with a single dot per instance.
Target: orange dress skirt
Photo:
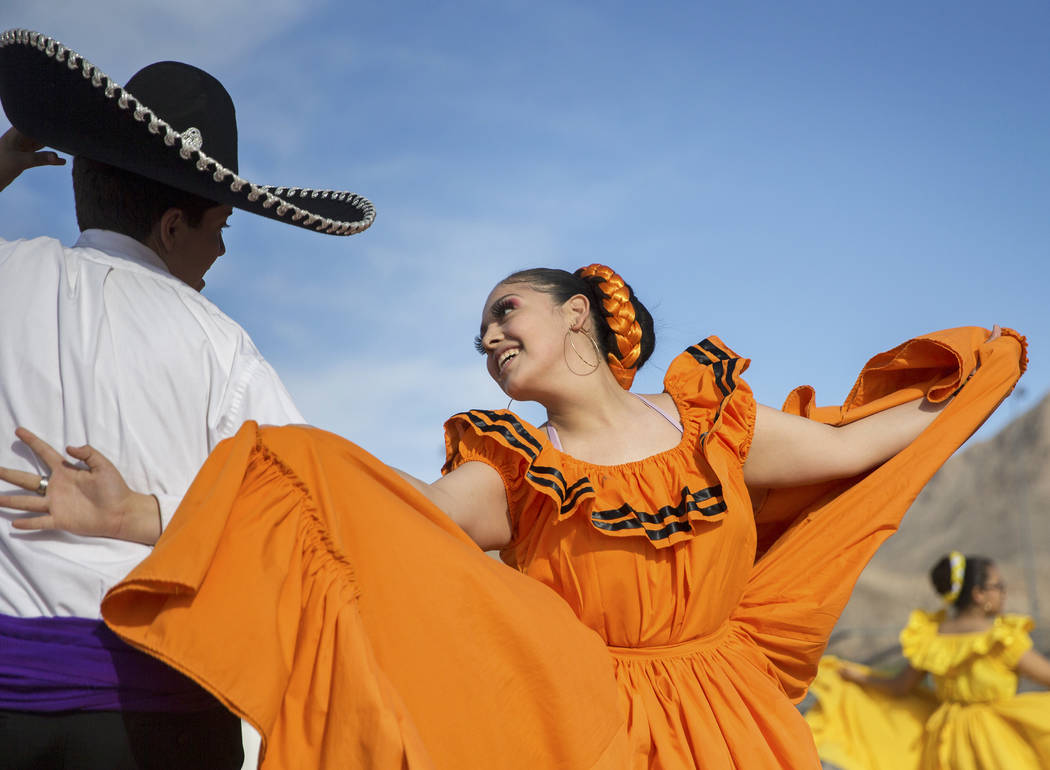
(660, 622)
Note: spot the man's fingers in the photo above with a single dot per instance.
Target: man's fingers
(27, 503)
(23, 479)
(88, 455)
(46, 158)
(40, 448)
(16, 140)
(35, 522)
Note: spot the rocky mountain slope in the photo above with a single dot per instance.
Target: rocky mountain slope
(991, 498)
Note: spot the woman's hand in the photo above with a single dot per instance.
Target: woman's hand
(93, 501)
(900, 684)
(18, 152)
(851, 674)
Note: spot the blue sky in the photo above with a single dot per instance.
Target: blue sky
(813, 182)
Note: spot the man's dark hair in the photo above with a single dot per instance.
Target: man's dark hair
(110, 198)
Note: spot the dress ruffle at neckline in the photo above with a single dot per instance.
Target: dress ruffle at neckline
(928, 649)
(714, 405)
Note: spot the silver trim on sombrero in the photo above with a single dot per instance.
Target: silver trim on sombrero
(156, 125)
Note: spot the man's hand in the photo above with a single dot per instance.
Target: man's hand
(18, 152)
(93, 501)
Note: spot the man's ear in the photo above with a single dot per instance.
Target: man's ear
(170, 227)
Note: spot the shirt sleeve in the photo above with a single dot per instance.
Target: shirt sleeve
(168, 505)
(258, 394)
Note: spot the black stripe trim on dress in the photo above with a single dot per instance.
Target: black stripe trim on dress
(721, 355)
(516, 435)
(654, 535)
(626, 517)
(513, 431)
(723, 366)
(579, 489)
(553, 479)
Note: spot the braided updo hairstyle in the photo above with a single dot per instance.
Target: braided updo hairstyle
(622, 325)
(974, 576)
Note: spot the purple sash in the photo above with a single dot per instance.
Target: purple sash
(63, 664)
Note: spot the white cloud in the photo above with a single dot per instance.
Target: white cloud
(393, 408)
(121, 36)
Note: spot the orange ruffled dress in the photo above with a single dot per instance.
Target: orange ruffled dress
(660, 622)
(972, 719)
(658, 556)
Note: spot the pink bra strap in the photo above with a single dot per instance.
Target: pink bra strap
(552, 434)
(677, 425)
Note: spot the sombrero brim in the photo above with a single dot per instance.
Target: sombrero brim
(59, 98)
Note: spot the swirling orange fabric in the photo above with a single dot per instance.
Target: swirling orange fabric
(334, 608)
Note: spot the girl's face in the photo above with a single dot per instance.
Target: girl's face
(993, 592)
(522, 337)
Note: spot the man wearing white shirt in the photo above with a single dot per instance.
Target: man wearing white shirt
(109, 343)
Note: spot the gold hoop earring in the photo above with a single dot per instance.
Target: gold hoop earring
(591, 366)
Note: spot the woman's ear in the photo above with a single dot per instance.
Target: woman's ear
(578, 311)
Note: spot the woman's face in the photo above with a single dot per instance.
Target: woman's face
(993, 592)
(522, 334)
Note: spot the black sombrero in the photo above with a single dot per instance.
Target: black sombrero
(172, 123)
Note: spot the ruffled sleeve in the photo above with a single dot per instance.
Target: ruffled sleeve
(1012, 632)
(536, 484)
(706, 385)
(1008, 639)
(919, 641)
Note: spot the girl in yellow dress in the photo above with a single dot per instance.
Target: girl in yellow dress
(973, 719)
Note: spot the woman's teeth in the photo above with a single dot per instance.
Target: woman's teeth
(507, 355)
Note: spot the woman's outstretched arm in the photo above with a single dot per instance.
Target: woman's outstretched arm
(474, 497)
(898, 685)
(788, 450)
(1035, 667)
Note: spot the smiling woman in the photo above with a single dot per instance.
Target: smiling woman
(655, 539)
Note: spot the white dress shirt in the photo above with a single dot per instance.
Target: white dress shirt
(101, 345)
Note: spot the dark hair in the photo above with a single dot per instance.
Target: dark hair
(974, 576)
(110, 198)
(561, 285)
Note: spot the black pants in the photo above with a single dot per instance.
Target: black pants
(120, 740)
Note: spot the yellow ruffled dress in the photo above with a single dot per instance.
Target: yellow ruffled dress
(973, 719)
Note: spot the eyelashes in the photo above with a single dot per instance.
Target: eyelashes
(499, 309)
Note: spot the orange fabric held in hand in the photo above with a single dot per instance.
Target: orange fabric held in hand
(332, 606)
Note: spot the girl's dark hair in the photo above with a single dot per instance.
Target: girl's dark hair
(561, 285)
(974, 576)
